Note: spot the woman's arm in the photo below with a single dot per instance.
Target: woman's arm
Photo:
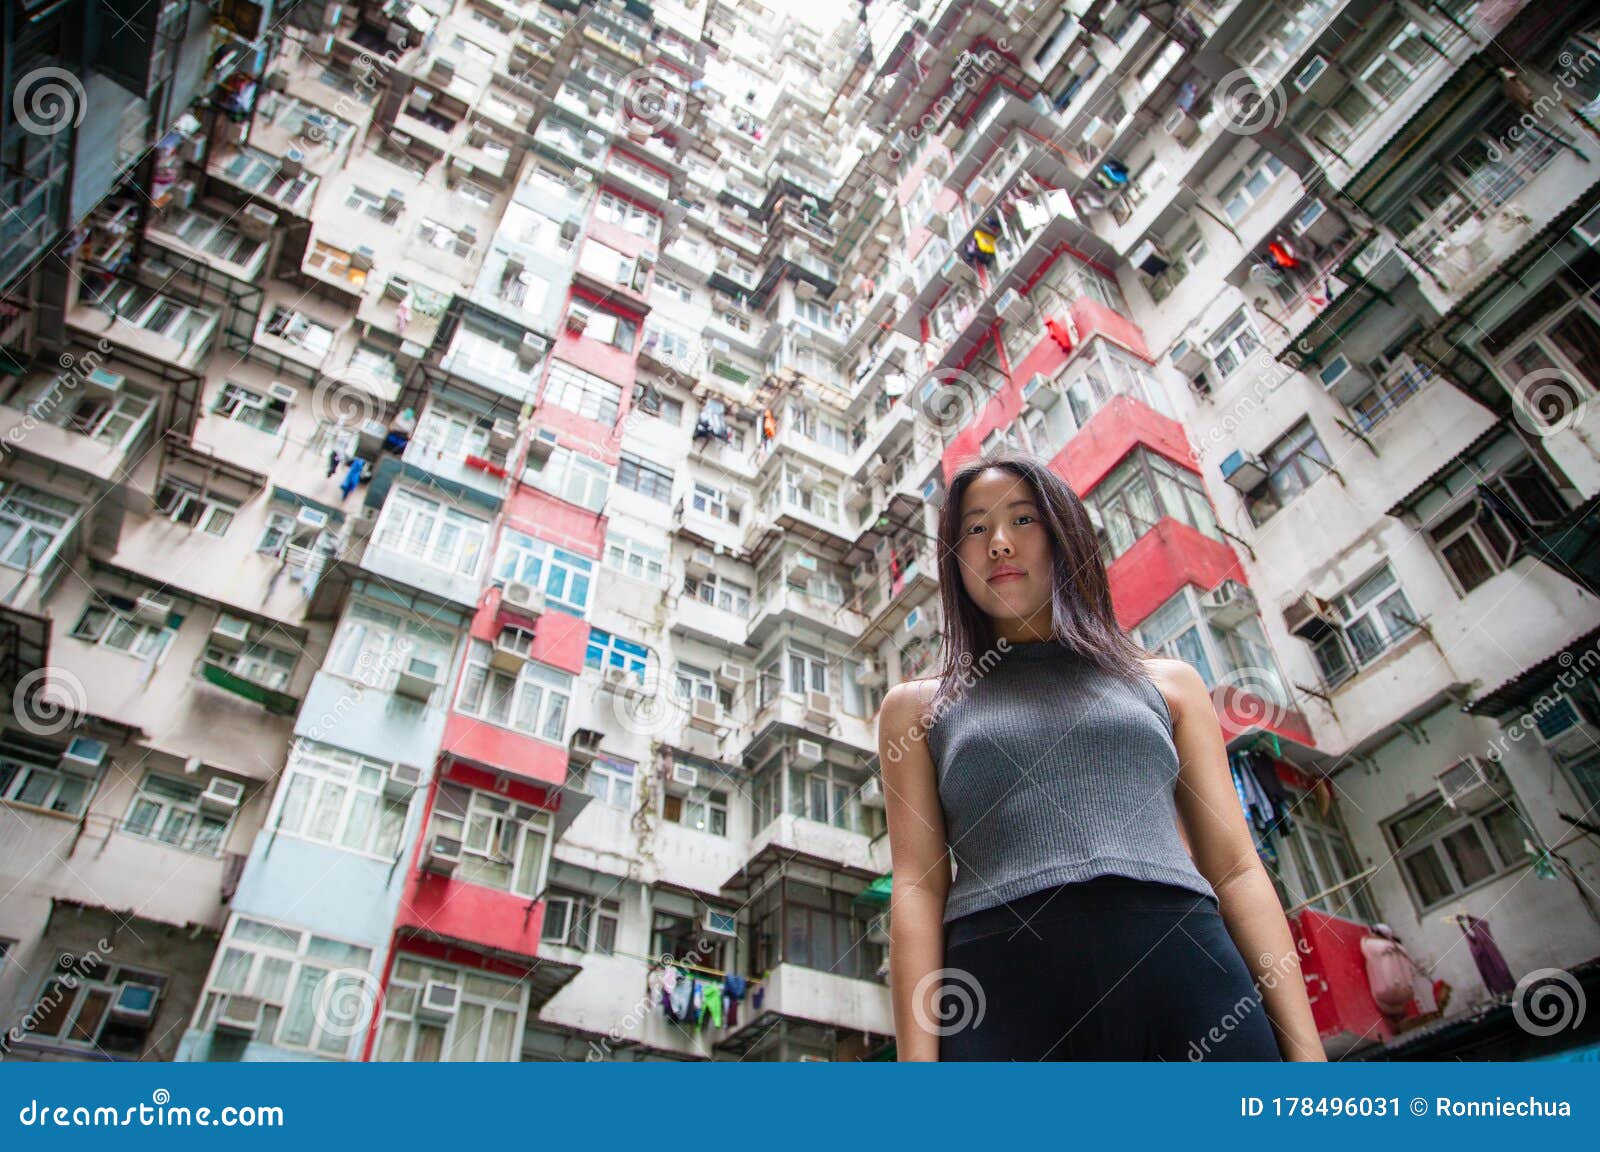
(920, 866)
(1218, 836)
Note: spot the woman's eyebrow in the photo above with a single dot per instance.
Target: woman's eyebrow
(976, 511)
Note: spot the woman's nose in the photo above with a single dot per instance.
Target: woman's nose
(999, 546)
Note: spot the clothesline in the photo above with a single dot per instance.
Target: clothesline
(1329, 891)
(657, 961)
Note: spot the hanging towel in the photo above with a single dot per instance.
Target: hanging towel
(1486, 954)
(680, 999)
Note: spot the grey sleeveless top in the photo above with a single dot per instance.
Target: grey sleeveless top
(1053, 771)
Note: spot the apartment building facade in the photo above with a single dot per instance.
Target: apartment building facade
(471, 473)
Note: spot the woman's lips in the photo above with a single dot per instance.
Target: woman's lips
(1006, 576)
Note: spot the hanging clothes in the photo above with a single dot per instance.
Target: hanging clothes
(711, 1004)
(1059, 333)
(1486, 955)
(681, 997)
(1115, 172)
(352, 477)
(733, 988)
(769, 425)
(1281, 254)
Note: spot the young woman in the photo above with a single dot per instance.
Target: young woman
(1107, 901)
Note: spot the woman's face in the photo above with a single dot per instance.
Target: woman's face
(1003, 546)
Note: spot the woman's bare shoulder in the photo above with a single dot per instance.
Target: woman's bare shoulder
(1178, 681)
(907, 700)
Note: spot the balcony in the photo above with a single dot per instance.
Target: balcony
(812, 996)
(1168, 556)
(698, 620)
(787, 605)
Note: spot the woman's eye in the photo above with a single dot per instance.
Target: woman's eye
(1023, 517)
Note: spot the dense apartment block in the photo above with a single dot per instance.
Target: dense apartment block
(470, 473)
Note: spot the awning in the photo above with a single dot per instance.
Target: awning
(1571, 546)
(278, 703)
(1532, 681)
(877, 893)
(1463, 470)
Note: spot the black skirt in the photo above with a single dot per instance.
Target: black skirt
(1107, 969)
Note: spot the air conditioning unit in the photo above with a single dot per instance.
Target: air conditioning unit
(1189, 357)
(1037, 392)
(1564, 727)
(720, 923)
(1244, 472)
(878, 928)
(438, 1001)
(1343, 380)
(939, 225)
(820, 705)
(442, 855)
(685, 775)
(918, 623)
(1471, 784)
(701, 562)
(957, 270)
(152, 609)
(1181, 126)
(1319, 81)
(619, 680)
(397, 287)
(506, 655)
(257, 222)
(872, 792)
(222, 797)
(530, 350)
(239, 1015)
(84, 756)
(361, 259)
(136, 1003)
(1310, 617)
(104, 381)
(1013, 308)
(1317, 223)
(419, 101)
(807, 753)
(730, 675)
(523, 597)
(402, 781)
(869, 672)
(541, 446)
(503, 433)
(706, 715)
(183, 190)
(577, 321)
(1229, 603)
(1149, 258)
(418, 679)
(230, 632)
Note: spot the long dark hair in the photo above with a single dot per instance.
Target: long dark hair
(1081, 617)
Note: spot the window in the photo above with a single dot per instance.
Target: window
(534, 701)
(31, 780)
(373, 644)
(1250, 184)
(450, 432)
(486, 1026)
(610, 781)
(295, 973)
(358, 199)
(1326, 859)
(112, 621)
(212, 236)
(1444, 852)
(563, 576)
(168, 810)
(703, 809)
(250, 408)
(330, 796)
(639, 475)
(1552, 342)
(1141, 490)
(31, 522)
(583, 392)
(667, 409)
(1482, 537)
(263, 664)
(606, 263)
(606, 327)
(672, 288)
(690, 682)
(522, 289)
(798, 923)
(1293, 462)
(147, 309)
(641, 561)
(615, 210)
(578, 920)
(293, 328)
(1374, 615)
(76, 1006)
(572, 476)
(187, 505)
(1380, 67)
(504, 845)
(444, 237)
(335, 262)
(107, 419)
(606, 650)
(808, 670)
(431, 533)
(719, 592)
(814, 496)
(492, 354)
(712, 502)
(1231, 345)
(1174, 630)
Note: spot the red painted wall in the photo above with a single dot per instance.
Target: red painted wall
(560, 639)
(548, 517)
(1120, 426)
(502, 748)
(1162, 561)
(1336, 976)
(447, 907)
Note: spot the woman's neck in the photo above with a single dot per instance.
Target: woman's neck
(1025, 631)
